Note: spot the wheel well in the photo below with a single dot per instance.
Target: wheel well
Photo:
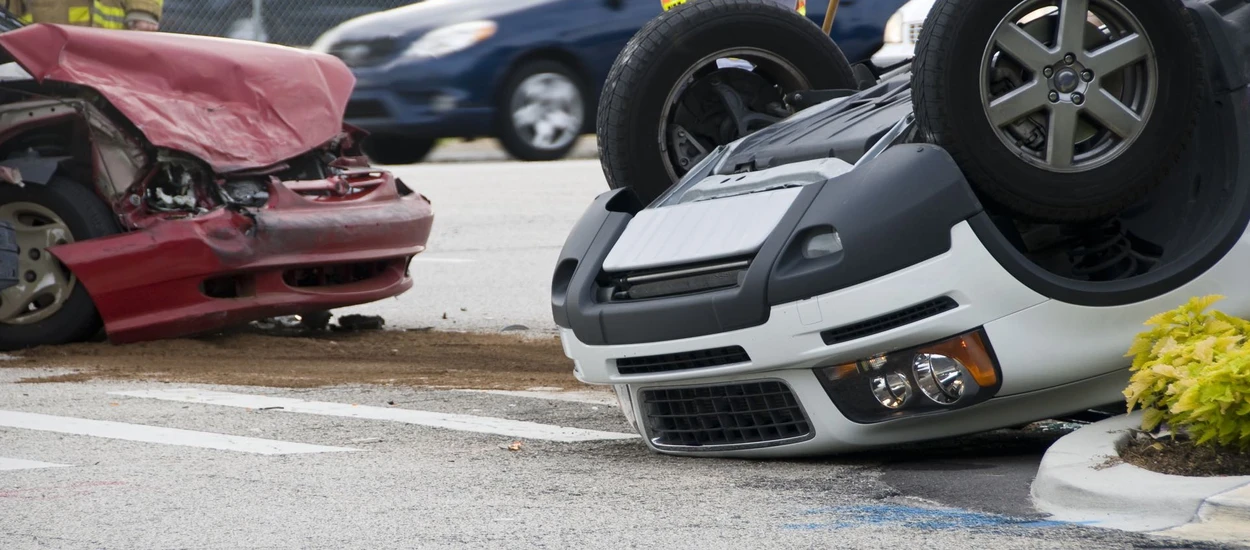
(563, 57)
(68, 138)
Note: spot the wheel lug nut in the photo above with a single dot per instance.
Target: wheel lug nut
(30, 276)
(34, 254)
(1054, 97)
(1048, 72)
(1069, 59)
(1087, 75)
(1078, 99)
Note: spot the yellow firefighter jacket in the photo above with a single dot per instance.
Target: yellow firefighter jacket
(108, 14)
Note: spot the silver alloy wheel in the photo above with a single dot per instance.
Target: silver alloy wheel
(781, 71)
(548, 111)
(1085, 80)
(43, 283)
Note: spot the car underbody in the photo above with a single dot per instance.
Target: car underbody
(236, 192)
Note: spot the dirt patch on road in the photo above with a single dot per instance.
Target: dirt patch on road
(410, 358)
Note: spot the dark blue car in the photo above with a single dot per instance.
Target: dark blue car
(528, 72)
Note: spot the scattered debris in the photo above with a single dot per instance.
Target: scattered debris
(444, 315)
(511, 328)
(361, 322)
(268, 409)
(319, 320)
(366, 440)
(11, 175)
(515, 446)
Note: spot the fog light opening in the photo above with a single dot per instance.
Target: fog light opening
(892, 390)
(823, 242)
(942, 379)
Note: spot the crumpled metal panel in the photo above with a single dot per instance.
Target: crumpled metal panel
(147, 284)
(235, 104)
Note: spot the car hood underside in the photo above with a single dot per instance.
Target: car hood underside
(219, 100)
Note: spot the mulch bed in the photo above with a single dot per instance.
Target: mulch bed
(1183, 458)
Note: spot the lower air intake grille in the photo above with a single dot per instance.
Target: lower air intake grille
(888, 321)
(682, 361)
(753, 414)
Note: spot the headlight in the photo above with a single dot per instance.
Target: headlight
(949, 374)
(451, 39)
(894, 29)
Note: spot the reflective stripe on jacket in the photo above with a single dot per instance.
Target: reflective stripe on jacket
(107, 14)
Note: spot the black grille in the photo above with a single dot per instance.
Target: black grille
(676, 281)
(753, 414)
(366, 108)
(365, 53)
(888, 321)
(682, 361)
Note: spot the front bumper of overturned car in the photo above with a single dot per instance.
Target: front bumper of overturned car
(914, 271)
(316, 245)
(779, 360)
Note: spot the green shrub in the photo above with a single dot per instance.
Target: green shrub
(1191, 371)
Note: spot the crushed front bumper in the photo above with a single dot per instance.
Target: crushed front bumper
(304, 251)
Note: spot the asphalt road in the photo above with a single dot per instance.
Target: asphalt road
(385, 483)
(139, 465)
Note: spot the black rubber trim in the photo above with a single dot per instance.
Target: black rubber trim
(893, 212)
(596, 322)
(889, 321)
(585, 249)
(686, 360)
(8, 256)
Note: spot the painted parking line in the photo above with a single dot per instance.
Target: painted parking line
(442, 260)
(588, 397)
(458, 422)
(155, 434)
(7, 464)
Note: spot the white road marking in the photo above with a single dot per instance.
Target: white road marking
(19, 464)
(590, 397)
(459, 422)
(156, 434)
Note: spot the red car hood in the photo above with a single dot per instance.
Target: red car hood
(234, 104)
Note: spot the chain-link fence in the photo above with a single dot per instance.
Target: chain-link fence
(287, 22)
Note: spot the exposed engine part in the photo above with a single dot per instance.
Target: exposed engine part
(177, 186)
(248, 192)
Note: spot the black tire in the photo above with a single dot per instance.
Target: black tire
(517, 146)
(396, 150)
(649, 67)
(948, 105)
(87, 217)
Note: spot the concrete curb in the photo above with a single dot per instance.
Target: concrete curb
(1079, 482)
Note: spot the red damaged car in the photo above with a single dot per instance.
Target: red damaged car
(163, 185)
